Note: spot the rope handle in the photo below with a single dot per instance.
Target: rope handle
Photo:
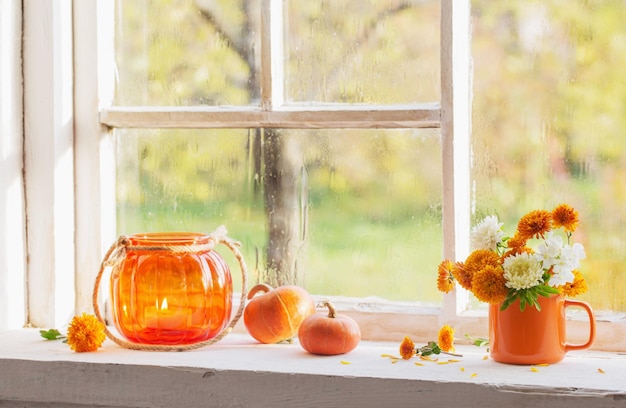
(117, 252)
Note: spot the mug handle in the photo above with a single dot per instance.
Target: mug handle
(592, 325)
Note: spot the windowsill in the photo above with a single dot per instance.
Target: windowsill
(237, 371)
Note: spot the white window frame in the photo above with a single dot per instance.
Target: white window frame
(12, 216)
(451, 114)
(66, 214)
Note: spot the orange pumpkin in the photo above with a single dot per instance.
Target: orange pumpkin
(275, 315)
(329, 334)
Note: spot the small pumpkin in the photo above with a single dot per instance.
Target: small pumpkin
(275, 315)
(329, 334)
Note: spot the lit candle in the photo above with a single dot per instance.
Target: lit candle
(165, 318)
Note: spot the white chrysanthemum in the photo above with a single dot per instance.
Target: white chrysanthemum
(550, 252)
(567, 262)
(522, 271)
(561, 278)
(487, 234)
(563, 259)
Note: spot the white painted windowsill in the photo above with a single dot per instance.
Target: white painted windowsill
(238, 372)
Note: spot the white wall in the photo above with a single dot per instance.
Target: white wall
(12, 234)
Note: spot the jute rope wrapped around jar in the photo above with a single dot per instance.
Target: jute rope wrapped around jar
(116, 254)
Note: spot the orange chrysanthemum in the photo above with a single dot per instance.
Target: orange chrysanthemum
(566, 217)
(85, 333)
(462, 275)
(480, 258)
(489, 285)
(407, 348)
(577, 287)
(445, 339)
(517, 251)
(516, 242)
(534, 224)
(445, 279)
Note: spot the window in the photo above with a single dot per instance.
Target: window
(323, 154)
(530, 138)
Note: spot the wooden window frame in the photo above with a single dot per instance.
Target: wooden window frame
(79, 80)
(69, 218)
(68, 207)
(450, 114)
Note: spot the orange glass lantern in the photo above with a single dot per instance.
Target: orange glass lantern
(162, 296)
(170, 288)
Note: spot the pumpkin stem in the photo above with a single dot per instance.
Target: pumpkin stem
(331, 309)
(261, 287)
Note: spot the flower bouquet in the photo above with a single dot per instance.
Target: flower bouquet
(537, 267)
(536, 261)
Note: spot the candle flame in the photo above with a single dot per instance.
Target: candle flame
(164, 304)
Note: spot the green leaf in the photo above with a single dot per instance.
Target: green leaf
(434, 347)
(522, 303)
(510, 298)
(431, 348)
(52, 334)
(545, 290)
(477, 341)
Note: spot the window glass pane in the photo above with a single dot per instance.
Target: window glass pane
(549, 122)
(362, 51)
(184, 53)
(364, 206)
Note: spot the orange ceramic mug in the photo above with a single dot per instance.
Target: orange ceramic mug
(532, 336)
